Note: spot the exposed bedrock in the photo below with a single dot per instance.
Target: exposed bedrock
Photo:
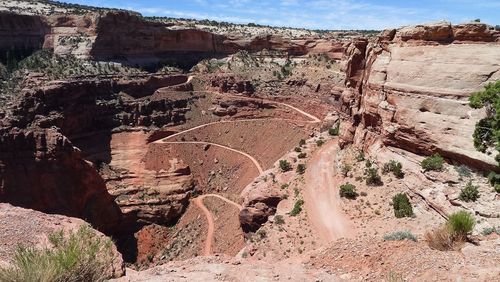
(41, 168)
(411, 89)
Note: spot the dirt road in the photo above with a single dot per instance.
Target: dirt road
(322, 199)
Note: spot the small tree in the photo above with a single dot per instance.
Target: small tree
(372, 176)
(402, 206)
(302, 142)
(301, 168)
(334, 131)
(297, 208)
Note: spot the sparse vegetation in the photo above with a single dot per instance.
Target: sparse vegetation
(348, 191)
(77, 256)
(453, 233)
(301, 168)
(334, 131)
(302, 142)
(302, 155)
(297, 208)
(463, 171)
(395, 167)
(469, 193)
(285, 166)
(297, 149)
(434, 162)
(399, 236)
(360, 156)
(490, 230)
(494, 180)
(345, 169)
(402, 206)
(279, 219)
(320, 142)
(372, 176)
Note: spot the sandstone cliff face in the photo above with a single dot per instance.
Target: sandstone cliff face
(41, 168)
(21, 32)
(411, 89)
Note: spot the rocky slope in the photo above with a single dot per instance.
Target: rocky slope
(410, 89)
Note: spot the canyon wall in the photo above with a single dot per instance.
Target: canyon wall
(410, 89)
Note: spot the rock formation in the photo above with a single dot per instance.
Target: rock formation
(410, 89)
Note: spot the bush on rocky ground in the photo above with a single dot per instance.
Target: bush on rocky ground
(395, 167)
(348, 191)
(302, 155)
(301, 168)
(469, 193)
(372, 177)
(77, 256)
(399, 236)
(334, 131)
(302, 142)
(452, 234)
(490, 230)
(320, 142)
(402, 206)
(297, 208)
(434, 162)
(285, 166)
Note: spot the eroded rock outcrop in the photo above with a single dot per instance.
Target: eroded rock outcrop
(411, 89)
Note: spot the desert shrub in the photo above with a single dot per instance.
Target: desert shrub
(395, 167)
(440, 238)
(334, 131)
(469, 193)
(372, 176)
(461, 223)
(301, 168)
(284, 186)
(302, 142)
(279, 219)
(490, 230)
(348, 191)
(402, 206)
(302, 155)
(434, 162)
(320, 142)
(345, 169)
(297, 149)
(261, 233)
(297, 208)
(360, 156)
(78, 256)
(399, 236)
(494, 180)
(285, 166)
(463, 171)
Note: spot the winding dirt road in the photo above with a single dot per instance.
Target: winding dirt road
(199, 200)
(210, 219)
(322, 199)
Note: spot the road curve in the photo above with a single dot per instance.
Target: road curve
(322, 199)
(207, 250)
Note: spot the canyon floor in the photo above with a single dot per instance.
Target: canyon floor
(264, 154)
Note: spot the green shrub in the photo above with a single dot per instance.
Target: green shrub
(297, 208)
(399, 236)
(434, 162)
(302, 155)
(461, 223)
(334, 131)
(348, 191)
(395, 167)
(402, 206)
(279, 219)
(285, 166)
(298, 149)
(494, 180)
(469, 193)
(302, 142)
(78, 256)
(320, 142)
(301, 168)
(284, 186)
(372, 176)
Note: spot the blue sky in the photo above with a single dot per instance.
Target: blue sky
(316, 14)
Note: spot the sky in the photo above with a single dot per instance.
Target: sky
(316, 14)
